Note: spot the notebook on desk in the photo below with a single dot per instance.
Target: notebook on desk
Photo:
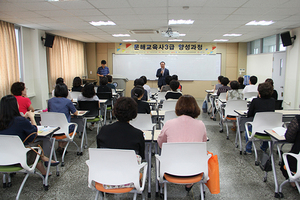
(46, 130)
(278, 133)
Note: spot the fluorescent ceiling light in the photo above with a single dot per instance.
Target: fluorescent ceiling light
(180, 21)
(220, 40)
(129, 40)
(182, 34)
(175, 40)
(260, 23)
(102, 23)
(232, 35)
(121, 35)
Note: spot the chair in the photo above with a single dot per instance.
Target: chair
(60, 120)
(143, 122)
(182, 159)
(115, 167)
(293, 176)
(12, 151)
(92, 116)
(170, 114)
(262, 121)
(109, 108)
(169, 105)
(74, 95)
(250, 95)
(278, 105)
(230, 115)
(161, 96)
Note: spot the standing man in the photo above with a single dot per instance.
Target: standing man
(162, 73)
(102, 71)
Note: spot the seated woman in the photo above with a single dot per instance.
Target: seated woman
(185, 128)
(103, 85)
(224, 87)
(138, 93)
(140, 81)
(109, 84)
(262, 104)
(166, 87)
(77, 84)
(18, 89)
(61, 104)
(174, 94)
(12, 123)
(274, 94)
(175, 77)
(60, 80)
(292, 135)
(121, 134)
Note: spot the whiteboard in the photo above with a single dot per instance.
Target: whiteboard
(186, 66)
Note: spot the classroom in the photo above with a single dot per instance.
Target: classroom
(142, 36)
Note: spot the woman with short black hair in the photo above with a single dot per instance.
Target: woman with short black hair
(121, 134)
(77, 84)
(138, 93)
(18, 89)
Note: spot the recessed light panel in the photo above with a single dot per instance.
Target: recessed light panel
(180, 21)
(102, 23)
(175, 40)
(129, 40)
(220, 40)
(260, 23)
(121, 35)
(232, 35)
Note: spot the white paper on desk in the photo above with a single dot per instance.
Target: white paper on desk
(280, 131)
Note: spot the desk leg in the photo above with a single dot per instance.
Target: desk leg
(83, 134)
(148, 157)
(46, 186)
(238, 134)
(271, 144)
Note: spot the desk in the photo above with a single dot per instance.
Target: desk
(275, 139)
(149, 138)
(45, 133)
(120, 92)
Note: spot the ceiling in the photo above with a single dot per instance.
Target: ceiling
(213, 18)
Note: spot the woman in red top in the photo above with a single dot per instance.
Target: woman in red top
(19, 91)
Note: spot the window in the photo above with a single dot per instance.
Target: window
(255, 47)
(269, 44)
(19, 50)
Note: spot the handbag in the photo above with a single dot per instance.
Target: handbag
(33, 144)
(213, 183)
(204, 106)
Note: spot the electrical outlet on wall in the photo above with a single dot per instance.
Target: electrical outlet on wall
(91, 72)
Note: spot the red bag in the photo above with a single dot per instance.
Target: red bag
(213, 183)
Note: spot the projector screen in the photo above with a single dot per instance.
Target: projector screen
(186, 66)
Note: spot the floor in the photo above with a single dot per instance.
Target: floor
(239, 177)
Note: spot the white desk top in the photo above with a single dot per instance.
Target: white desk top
(46, 130)
(274, 135)
(284, 112)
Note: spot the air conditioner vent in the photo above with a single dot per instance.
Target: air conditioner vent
(144, 31)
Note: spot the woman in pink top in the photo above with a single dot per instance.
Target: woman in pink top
(185, 128)
(19, 91)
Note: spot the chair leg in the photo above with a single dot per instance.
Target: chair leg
(201, 191)
(134, 196)
(165, 191)
(22, 185)
(284, 182)
(255, 153)
(226, 122)
(64, 153)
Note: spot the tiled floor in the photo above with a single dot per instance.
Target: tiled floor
(239, 177)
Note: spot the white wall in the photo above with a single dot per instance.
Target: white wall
(292, 80)
(35, 67)
(260, 65)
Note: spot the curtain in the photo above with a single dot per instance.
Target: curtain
(66, 60)
(9, 66)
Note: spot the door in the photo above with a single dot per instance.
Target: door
(278, 74)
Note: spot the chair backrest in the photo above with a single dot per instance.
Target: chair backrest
(57, 120)
(74, 95)
(292, 177)
(12, 151)
(142, 122)
(91, 106)
(169, 104)
(222, 95)
(104, 95)
(170, 114)
(113, 166)
(232, 105)
(184, 159)
(266, 120)
(161, 96)
(278, 105)
(249, 95)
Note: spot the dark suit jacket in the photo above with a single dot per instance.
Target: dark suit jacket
(161, 78)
